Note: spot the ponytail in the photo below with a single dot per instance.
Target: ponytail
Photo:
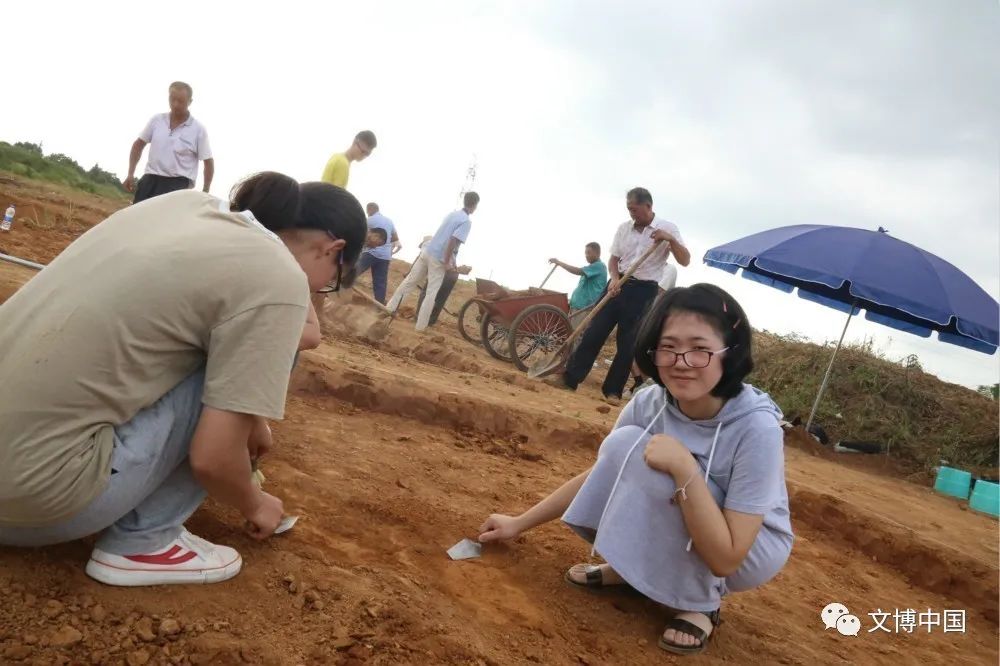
(281, 204)
(272, 197)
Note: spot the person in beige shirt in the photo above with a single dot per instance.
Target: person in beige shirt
(140, 365)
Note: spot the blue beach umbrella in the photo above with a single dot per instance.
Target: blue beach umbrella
(896, 283)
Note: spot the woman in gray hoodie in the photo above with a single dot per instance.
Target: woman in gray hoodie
(687, 499)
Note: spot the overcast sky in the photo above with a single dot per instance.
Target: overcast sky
(738, 116)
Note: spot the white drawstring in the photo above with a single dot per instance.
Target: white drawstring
(628, 455)
(708, 468)
(621, 470)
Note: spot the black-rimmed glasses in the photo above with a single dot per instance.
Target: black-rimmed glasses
(693, 358)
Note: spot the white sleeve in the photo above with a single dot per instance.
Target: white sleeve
(147, 132)
(204, 148)
(675, 232)
(616, 243)
(461, 232)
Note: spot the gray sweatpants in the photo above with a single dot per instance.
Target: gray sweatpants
(152, 491)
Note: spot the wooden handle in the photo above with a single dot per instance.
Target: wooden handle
(554, 267)
(607, 296)
(370, 299)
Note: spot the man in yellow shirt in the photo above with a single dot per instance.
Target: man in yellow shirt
(336, 172)
(338, 167)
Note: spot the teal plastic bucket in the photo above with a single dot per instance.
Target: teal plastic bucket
(986, 498)
(953, 482)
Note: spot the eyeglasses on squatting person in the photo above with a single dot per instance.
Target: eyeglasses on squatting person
(334, 287)
(693, 358)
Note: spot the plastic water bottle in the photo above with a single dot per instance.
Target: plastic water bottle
(8, 219)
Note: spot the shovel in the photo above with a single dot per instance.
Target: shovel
(549, 363)
(371, 300)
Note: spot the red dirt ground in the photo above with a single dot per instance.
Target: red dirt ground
(393, 450)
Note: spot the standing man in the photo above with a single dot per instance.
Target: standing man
(177, 143)
(593, 278)
(630, 298)
(667, 282)
(338, 167)
(379, 258)
(436, 259)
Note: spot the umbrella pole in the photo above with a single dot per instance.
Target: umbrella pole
(829, 369)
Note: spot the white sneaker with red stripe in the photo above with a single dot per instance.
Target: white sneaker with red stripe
(188, 559)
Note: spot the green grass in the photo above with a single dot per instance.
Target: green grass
(27, 160)
(920, 418)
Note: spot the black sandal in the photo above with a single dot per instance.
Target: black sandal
(594, 579)
(691, 629)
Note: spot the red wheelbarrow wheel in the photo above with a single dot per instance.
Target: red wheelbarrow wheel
(470, 319)
(537, 332)
(495, 337)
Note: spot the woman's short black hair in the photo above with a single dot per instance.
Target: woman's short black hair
(717, 308)
(280, 203)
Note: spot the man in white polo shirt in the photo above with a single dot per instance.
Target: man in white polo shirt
(437, 258)
(629, 300)
(177, 143)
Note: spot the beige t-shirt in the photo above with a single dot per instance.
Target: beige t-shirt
(123, 315)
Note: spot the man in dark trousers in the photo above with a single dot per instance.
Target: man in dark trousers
(177, 142)
(379, 258)
(629, 299)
